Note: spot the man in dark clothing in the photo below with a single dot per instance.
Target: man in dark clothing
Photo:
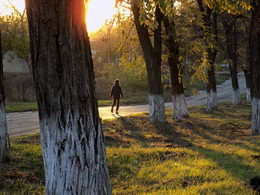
(116, 91)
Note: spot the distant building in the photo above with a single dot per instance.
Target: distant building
(13, 64)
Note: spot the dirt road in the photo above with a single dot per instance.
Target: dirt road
(22, 123)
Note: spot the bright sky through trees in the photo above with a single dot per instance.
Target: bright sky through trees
(98, 11)
(5, 7)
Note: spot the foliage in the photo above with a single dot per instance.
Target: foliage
(14, 28)
(203, 154)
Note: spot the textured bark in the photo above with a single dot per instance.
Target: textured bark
(254, 56)
(179, 102)
(179, 107)
(152, 55)
(210, 27)
(156, 106)
(4, 137)
(229, 24)
(71, 132)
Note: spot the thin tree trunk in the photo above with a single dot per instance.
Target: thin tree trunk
(71, 132)
(229, 24)
(210, 28)
(178, 97)
(248, 79)
(254, 54)
(152, 54)
(4, 137)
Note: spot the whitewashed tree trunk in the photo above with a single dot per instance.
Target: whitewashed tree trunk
(254, 61)
(156, 108)
(71, 133)
(255, 123)
(248, 94)
(179, 106)
(4, 138)
(212, 101)
(236, 97)
(73, 156)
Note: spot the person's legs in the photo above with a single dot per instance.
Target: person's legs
(113, 104)
(117, 104)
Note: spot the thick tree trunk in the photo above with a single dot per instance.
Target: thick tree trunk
(229, 24)
(71, 132)
(211, 101)
(254, 54)
(4, 137)
(178, 98)
(152, 55)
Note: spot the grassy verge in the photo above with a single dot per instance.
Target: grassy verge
(204, 154)
(140, 97)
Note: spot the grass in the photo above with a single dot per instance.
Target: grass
(203, 154)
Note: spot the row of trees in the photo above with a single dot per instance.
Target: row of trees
(71, 131)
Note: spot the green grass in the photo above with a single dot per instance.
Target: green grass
(21, 106)
(203, 154)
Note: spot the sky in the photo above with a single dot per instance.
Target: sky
(98, 11)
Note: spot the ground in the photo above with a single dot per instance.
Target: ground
(203, 154)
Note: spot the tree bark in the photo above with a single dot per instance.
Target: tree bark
(254, 54)
(152, 55)
(4, 137)
(178, 97)
(229, 24)
(71, 132)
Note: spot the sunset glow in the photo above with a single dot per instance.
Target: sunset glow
(5, 7)
(97, 14)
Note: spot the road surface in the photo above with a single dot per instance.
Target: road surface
(23, 123)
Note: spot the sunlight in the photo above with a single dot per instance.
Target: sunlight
(98, 12)
(6, 9)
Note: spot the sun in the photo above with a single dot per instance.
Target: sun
(98, 12)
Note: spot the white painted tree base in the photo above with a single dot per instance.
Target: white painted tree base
(236, 97)
(74, 157)
(156, 108)
(179, 106)
(4, 137)
(212, 101)
(248, 95)
(255, 122)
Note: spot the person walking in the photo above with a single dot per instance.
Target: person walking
(116, 92)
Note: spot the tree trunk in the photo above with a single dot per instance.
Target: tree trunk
(71, 132)
(254, 54)
(229, 24)
(4, 137)
(210, 28)
(178, 97)
(248, 79)
(152, 55)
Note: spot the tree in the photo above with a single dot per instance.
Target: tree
(229, 24)
(4, 137)
(209, 27)
(152, 55)
(71, 132)
(178, 97)
(254, 57)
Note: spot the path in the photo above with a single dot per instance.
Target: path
(22, 123)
